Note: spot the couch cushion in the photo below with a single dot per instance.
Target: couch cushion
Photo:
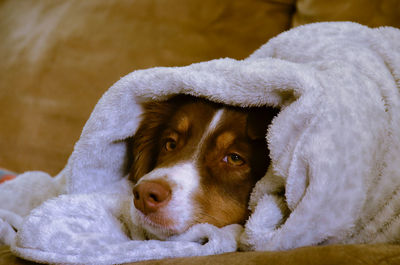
(58, 57)
(373, 13)
(323, 255)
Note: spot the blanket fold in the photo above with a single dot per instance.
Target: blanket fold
(334, 148)
(97, 228)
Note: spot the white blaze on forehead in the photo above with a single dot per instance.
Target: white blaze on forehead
(210, 129)
(214, 122)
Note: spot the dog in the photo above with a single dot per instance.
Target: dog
(196, 161)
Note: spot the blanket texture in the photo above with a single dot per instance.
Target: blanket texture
(334, 147)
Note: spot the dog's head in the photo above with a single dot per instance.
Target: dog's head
(197, 162)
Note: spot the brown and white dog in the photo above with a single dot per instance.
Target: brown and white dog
(196, 162)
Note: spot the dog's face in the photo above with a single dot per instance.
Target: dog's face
(196, 162)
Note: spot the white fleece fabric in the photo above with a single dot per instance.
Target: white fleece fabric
(334, 147)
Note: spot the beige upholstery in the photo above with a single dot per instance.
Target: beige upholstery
(58, 57)
(373, 13)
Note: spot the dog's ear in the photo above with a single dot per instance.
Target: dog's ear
(258, 121)
(145, 142)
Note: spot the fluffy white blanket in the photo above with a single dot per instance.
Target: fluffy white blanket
(334, 146)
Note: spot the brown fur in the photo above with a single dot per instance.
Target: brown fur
(225, 184)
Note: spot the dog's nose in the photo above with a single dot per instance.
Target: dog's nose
(149, 196)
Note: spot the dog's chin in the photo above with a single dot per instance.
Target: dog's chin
(160, 227)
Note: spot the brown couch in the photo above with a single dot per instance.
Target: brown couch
(58, 57)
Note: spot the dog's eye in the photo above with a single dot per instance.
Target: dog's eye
(234, 159)
(170, 145)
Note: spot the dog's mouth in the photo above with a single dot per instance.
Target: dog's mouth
(159, 225)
